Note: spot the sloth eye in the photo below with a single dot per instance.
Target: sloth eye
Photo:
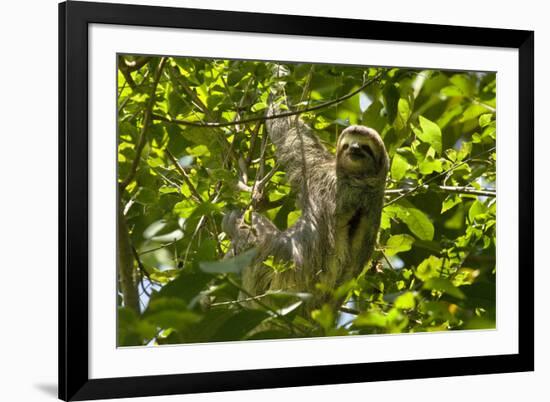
(368, 150)
(344, 147)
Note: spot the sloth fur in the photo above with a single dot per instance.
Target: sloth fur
(341, 199)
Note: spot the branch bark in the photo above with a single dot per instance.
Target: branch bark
(125, 264)
(125, 257)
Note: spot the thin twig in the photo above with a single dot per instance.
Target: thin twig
(292, 327)
(190, 93)
(387, 259)
(198, 227)
(232, 302)
(158, 248)
(449, 189)
(414, 189)
(349, 310)
(184, 176)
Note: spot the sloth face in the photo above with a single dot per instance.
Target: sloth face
(361, 152)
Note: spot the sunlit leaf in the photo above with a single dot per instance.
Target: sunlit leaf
(406, 301)
(370, 319)
(430, 133)
(399, 167)
(449, 202)
(429, 268)
(398, 243)
(324, 316)
(416, 220)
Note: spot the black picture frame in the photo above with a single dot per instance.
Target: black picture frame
(74, 381)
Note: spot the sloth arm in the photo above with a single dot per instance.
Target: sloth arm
(298, 149)
(284, 245)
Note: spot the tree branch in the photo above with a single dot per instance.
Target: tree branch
(449, 189)
(146, 121)
(136, 64)
(274, 116)
(125, 257)
(125, 264)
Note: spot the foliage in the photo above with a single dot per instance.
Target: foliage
(192, 146)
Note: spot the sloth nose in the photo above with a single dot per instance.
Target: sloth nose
(354, 146)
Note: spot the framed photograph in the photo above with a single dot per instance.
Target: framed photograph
(257, 200)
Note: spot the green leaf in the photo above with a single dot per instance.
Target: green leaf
(449, 202)
(371, 319)
(464, 83)
(443, 285)
(451, 90)
(147, 196)
(140, 98)
(131, 330)
(373, 117)
(230, 265)
(465, 276)
(429, 268)
(268, 334)
(477, 208)
(406, 301)
(293, 217)
(259, 107)
(430, 165)
(419, 224)
(465, 150)
(429, 133)
(240, 324)
(391, 97)
(184, 208)
(403, 114)
(398, 243)
(485, 119)
(324, 316)
(416, 220)
(234, 77)
(473, 111)
(399, 167)
(199, 150)
(385, 219)
(186, 287)
(170, 313)
(176, 104)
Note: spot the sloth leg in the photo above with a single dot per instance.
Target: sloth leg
(260, 232)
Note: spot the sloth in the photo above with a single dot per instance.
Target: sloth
(341, 198)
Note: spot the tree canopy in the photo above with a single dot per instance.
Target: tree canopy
(192, 146)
